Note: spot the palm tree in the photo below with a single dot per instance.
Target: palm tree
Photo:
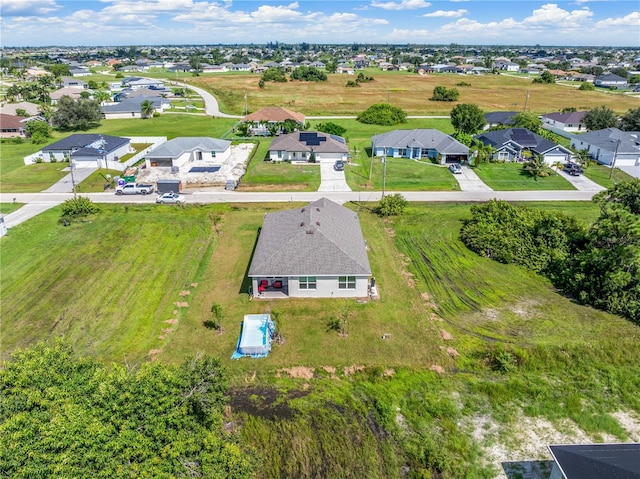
(482, 153)
(558, 165)
(535, 166)
(146, 108)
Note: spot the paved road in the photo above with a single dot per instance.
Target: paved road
(211, 106)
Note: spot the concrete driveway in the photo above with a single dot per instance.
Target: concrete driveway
(631, 170)
(65, 185)
(581, 183)
(469, 181)
(332, 180)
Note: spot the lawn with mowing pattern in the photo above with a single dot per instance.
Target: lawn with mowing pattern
(511, 177)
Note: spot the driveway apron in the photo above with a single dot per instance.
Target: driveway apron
(332, 180)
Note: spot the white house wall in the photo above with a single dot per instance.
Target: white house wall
(327, 287)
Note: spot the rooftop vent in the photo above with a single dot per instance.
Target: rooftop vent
(317, 223)
(302, 224)
(302, 210)
(310, 231)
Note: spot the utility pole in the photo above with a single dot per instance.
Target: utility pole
(373, 153)
(526, 100)
(72, 165)
(384, 173)
(246, 106)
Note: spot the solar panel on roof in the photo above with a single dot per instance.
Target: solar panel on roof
(337, 138)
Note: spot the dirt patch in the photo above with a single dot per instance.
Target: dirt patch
(186, 292)
(171, 321)
(330, 370)
(153, 354)
(630, 422)
(453, 352)
(390, 232)
(168, 330)
(426, 297)
(446, 335)
(194, 285)
(301, 372)
(437, 368)
(387, 373)
(181, 304)
(409, 277)
(349, 370)
(263, 402)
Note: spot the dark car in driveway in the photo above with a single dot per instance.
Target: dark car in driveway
(573, 169)
(339, 165)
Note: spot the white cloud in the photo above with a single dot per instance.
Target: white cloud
(27, 8)
(446, 13)
(402, 5)
(552, 14)
(631, 20)
(415, 36)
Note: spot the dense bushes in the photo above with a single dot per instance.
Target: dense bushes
(78, 207)
(599, 266)
(382, 114)
(308, 74)
(442, 93)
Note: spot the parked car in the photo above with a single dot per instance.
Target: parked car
(171, 198)
(573, 169)
(455, 168)
(339, 165)
(134, 189)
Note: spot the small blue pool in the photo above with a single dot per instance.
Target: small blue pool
(255, 336)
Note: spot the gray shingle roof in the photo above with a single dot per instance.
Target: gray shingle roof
(309, 140)
(607, 140)
(420, 138)
(320, 239)
(177, 146)
(88, 141)
(519, 136)
(134, 105)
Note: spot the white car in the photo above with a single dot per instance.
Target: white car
(455, 168)
(171, 198)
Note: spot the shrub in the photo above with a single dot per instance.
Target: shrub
(442, 93)
(392, 205)
(331, 128)
(352, 84)
(382, 114)
(586, 86)
(78, 207)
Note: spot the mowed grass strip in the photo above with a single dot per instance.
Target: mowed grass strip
(107, 283)
(600, 174)
(511, 177)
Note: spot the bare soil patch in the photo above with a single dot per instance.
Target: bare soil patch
(301, 372)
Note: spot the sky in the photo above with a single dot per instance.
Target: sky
(208, 22)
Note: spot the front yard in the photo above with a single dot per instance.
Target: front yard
(511, 177)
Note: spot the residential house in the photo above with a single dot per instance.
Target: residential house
(72, 92)
(568, 122)
(499, 118)
(135, 83)
(595, 461)
(30, 109)
(605, 145)
(132, 107)
(419, 143)
(187, 152)
(74, 83)
(509, 67)
(86, 150)
(11, 126)
(308, 146)
(345, 69)
(611, 80)
(79, 71)
(270, 115)
(316, 251)
(513, 144)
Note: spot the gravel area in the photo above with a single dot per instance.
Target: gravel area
(232, 169)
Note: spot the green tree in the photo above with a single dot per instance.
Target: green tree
(331, 128)
(65, 416)
(599, 118)
(482, 153)
(527, 120)
(195, 64)
(146, 109)
(304, 73)
(630, 121)
(586, 86)
(382, 114)
(545, 77)
(80, 114)
(442, 93)
(59, 69)
(274, 74)
(536, 167)
(391, 205)
(38, 131)
(467, 118)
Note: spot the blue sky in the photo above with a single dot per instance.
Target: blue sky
(157, 22)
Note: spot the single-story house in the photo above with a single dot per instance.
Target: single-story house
(569, 121)
(510, 145)
(345, 69)
(135, 83)
(261, 119)
(611, 80)
(86, 149)
(189, 151)
(499, 118)
(604, 145)
(316, 251)
(79, 71)
(71, 92)
(74, 83)
(595, 461)
(311, 146)
(132, 107)
(11, 126)
(419, 143)
(12, 108)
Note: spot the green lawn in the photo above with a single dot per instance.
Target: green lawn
(6, 208)
(510, 177)
(600, 174)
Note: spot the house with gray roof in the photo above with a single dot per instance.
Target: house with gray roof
(419, 143)
(605, 145)
(595, 461)
(564, 122)
(316, 251)
(499, 118)
(132, 107)
(86, 150)
(611, 80)
(311, 146)
(186, 152)
(513, 143)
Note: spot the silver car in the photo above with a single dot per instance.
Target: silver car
(171, 198)
(455, 168)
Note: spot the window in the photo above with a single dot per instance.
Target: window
(307, 282)
(402, 152)
(346, 282)
(213, 154)
(279, 154)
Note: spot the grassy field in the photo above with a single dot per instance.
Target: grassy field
(511, 177)
(6, 208)
(138, 282)
(407, 91)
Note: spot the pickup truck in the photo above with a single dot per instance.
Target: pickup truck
(134, 189)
